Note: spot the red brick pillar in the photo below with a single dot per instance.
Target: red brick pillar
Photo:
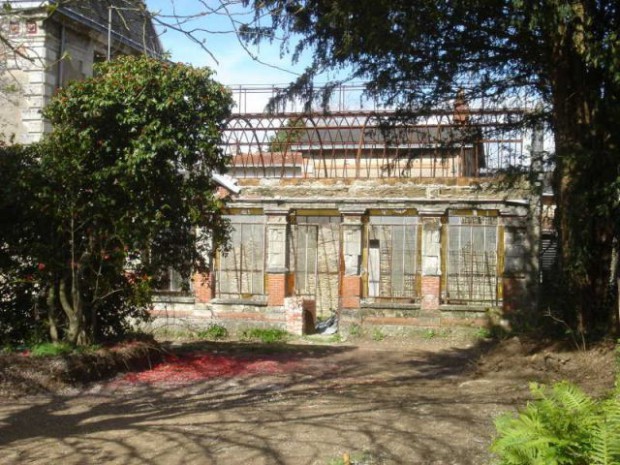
(277, 271)
(351, 291)
(203, 287)
(276, 289)
(431, 286)
(300, 315)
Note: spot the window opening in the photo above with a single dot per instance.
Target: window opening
(240, 272)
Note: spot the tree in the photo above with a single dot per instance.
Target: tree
(125, 191)
(414, 55)
(289, 134)
(18, 225)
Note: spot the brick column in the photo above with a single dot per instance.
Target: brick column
(203, 287)
(300, 315)
(277, 262)
(352, 254)
(431, 264)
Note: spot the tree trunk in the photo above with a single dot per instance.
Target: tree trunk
(584, 174)
(51, 313)
(76, 331)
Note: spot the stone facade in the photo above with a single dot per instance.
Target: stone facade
(45, 52)
(412, 252)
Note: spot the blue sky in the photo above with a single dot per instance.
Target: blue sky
(234, 65)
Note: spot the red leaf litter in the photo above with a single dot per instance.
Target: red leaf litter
(188, 368)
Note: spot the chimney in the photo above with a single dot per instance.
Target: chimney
(461, 109)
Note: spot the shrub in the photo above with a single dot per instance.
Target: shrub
(378, 335)
(266, 336)
(213, 333)
(49, 349)
(563, 426)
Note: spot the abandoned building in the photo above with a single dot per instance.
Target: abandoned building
(396, 224)
(44, 52)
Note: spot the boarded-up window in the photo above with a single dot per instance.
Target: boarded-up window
(472, 274)
(393, 264)
(315, 249)
(241, 271)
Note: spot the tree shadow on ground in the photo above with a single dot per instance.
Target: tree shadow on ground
(402, 406)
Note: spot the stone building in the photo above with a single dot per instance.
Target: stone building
(402, 226)
(43, 51)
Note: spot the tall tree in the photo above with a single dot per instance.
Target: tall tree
(414, 55)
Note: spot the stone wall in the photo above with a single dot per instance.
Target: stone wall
(421, 204)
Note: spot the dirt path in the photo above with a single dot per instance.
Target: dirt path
(414, 404)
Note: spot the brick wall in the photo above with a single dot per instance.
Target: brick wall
(351, 291)
(431, 286)
(300, 315)
(276, 289)
(203, 287)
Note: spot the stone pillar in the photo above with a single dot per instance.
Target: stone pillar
(431, 264)
(277, 262)
(352, 255)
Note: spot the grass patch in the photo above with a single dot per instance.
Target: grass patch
(355, 330)
(378, 335)
(50, 349)
(53, 349)
(266, 336)
(213, 333)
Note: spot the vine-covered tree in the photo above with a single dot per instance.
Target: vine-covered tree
(125, 191)
(415, 55)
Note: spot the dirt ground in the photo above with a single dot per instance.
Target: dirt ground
(388, 402)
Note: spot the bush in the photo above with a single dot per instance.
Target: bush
(266, 336)
(563, 426)
(213, 333)
(49, 349)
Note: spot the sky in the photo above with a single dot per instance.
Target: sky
(231, 62)
(234, 66)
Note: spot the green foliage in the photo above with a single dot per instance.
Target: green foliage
(266, 336)
(19, 287)
(355, 330)
(563, 426)
(287, 135)
(378, 335)
(49, 349)
(117, 193)
(213, 333)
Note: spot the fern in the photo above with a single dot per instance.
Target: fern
(606, 434)
(562, 426)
